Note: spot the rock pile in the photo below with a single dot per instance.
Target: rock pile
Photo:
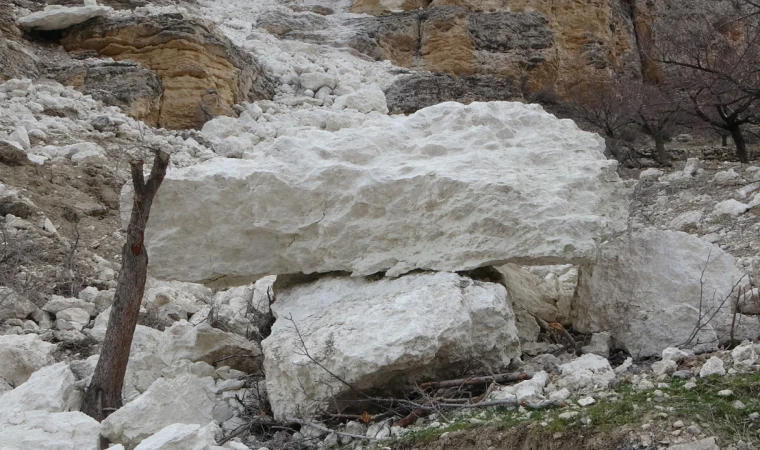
(343, 250)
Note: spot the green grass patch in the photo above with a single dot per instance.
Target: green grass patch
(715, 414)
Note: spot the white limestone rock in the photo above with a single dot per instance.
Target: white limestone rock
(13, 305)
(675, 354)
(58, 303)
(713, 366)
(55, 17)
(645, 290)
(587, 373)
(664, 367)
(524, 391)
(731, 208)
(23, 355)
(687, 221)
(650, 174)
(49, 389)
(531, 293)
(72, 319)
(175, 297)
(451, 187)
(185, 399)
(317, 80)
(365, 100)
(204, 343)
(180, 436)
(702, 444)
(744, 354)
(41, 430)
(376, 333)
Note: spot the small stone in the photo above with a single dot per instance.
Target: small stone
(678, 424)
(713, 366)
(560, 395)
(725, 393)
(568, 415)
(694, 430)
(674, 354)
(689, 385)
(666, 366)
(586, 401)
(682, 374)
(586, 421)
(754, 417)
(738, 405)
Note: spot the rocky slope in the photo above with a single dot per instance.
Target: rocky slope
(317, 258)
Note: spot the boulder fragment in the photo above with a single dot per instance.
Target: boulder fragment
(645, 289)
(373, 334)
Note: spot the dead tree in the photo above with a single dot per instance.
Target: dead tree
(712, 57)
(103, 395)
(655, 110)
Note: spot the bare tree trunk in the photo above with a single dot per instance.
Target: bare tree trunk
(741, 146)
(659, 144)
(103, 395)
(724, 139)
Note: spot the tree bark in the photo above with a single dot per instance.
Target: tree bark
(741, 146)
(103, 395)
(659, 144)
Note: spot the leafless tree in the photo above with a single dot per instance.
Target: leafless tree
(654, 109)
(103, 395)
(617, 103)
(713, 57)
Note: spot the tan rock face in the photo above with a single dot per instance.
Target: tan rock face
(383, 6)
(553, 43)
(202, 73)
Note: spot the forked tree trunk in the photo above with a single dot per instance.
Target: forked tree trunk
(662, 155)
(103, 395)
(741, 146)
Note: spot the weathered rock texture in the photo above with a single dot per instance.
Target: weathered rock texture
(423, 89)
(451, 187)
(646, 288)
(128, 85)
(375, 334)
(551, 43)
(56, 17)
(35, 430)
(161, 406)
(202, 72)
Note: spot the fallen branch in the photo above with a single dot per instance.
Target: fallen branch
(557, 326)
(505, 402)
(498, 378)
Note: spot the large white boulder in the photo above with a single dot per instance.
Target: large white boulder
(376, 333)
(41, 430)
(20, 356)
(185, 399)
(180, 436)
(48, 389)
(55, 17)
(645, 289)
(451, 187)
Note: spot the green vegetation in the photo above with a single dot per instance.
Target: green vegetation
(631, 409)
